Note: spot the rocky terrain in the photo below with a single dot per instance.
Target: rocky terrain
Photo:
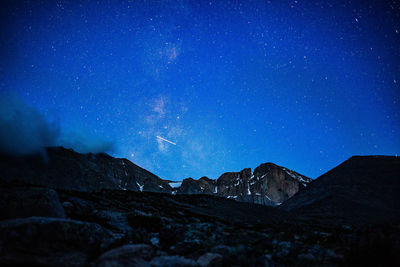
(269, 184)
(64, 168)
(69, 222)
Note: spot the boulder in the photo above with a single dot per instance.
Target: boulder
(306, 257)
(52, 241)
(223, 249)
(127, 255)
(172, 261)
(22, 202)
(210, 260)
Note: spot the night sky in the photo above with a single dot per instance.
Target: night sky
(230, 84)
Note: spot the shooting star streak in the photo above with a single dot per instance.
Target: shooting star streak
(159, 137)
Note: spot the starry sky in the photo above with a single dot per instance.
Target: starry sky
(194, 88)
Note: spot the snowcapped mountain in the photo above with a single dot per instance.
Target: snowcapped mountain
(269, 184)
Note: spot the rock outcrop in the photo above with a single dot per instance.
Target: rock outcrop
(269, 184)
(45, 241)
(27, 202)
(204, 185)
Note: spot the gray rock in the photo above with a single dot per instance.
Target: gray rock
(172, 261)
(283, 248)
(268, 260)
(17, 202)
(222, 249)
(203, 185)
(52, 241)
(330, 254)
(154, 240)
(127, 255)
(306, 256)
(210, 259)
(67, 205)
(113, 219)
(316, 250)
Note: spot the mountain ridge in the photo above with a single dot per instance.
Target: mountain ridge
(268, 184)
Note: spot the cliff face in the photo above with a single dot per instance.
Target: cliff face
(278, 183)
(269, 184)
(202, 186)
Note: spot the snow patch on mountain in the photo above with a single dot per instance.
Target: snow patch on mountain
(140, 186)
(296, 176)
(175, 184)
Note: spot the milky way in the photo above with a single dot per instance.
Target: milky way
(303, 84)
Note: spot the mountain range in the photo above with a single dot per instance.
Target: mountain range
(269, 184)
(67, 208)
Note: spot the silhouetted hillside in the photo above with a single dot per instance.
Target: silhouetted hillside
(361, 189)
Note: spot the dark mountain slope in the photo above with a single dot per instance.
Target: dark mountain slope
(363, 188)
(66, 169)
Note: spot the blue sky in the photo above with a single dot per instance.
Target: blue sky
(233, 84)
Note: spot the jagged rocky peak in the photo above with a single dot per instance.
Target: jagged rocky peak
(269, 184)
(234, 184)
(204, 185)
(277, 183)
(189, 186)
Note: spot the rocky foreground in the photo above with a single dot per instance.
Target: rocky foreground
(63, 226)
(42, 226)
